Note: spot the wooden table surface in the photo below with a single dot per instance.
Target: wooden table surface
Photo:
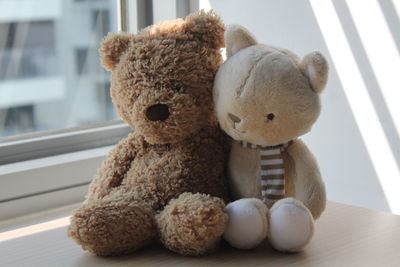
(345, 236)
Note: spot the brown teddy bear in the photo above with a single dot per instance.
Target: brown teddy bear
(265, 98)
(166, 180)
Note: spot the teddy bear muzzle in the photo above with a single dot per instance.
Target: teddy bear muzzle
(158, 112)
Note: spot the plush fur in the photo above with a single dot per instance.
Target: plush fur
(166, 180)
(268, 96)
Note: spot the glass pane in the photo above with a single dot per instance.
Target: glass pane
(50, 73)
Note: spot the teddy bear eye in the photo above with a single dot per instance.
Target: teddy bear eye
(270, 116)
(179, 88)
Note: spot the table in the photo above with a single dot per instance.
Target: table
(344, 236)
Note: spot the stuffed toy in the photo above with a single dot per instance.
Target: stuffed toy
(265, 98)
(166, 180)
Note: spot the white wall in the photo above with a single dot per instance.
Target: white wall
(355, 140)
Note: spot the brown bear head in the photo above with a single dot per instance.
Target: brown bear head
(162, 77)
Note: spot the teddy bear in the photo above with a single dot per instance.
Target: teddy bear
(265, 98)
(166, 181)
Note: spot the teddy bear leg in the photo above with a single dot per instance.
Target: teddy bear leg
(291, 225)
(192, 224)
(248, 223)
(110, 228)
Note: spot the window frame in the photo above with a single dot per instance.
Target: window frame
(51, 143)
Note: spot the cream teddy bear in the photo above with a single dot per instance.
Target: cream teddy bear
(265, 98)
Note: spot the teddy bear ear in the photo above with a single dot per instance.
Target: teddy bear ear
(315, 67)
(207, 26)
(112, 48)
(236, 38)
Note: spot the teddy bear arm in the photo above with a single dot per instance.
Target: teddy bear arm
(113, 168)
(213, 181)
(310, 188)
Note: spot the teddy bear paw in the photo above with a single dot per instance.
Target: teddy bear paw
(248, 223)
(291, 225)
(192, 224)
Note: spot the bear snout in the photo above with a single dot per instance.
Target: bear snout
(158, 112)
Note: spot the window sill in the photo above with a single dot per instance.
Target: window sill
(49, 182)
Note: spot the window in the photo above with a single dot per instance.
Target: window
(17, 120)
(28, 50)
(56, 116)
(50, 76)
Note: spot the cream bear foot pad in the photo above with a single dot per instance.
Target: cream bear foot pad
(291, 225)
(248, 224)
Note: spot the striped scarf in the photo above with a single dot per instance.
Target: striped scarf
(272, 171)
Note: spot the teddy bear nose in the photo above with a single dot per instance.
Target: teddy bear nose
(158, 112)
(234, 118)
